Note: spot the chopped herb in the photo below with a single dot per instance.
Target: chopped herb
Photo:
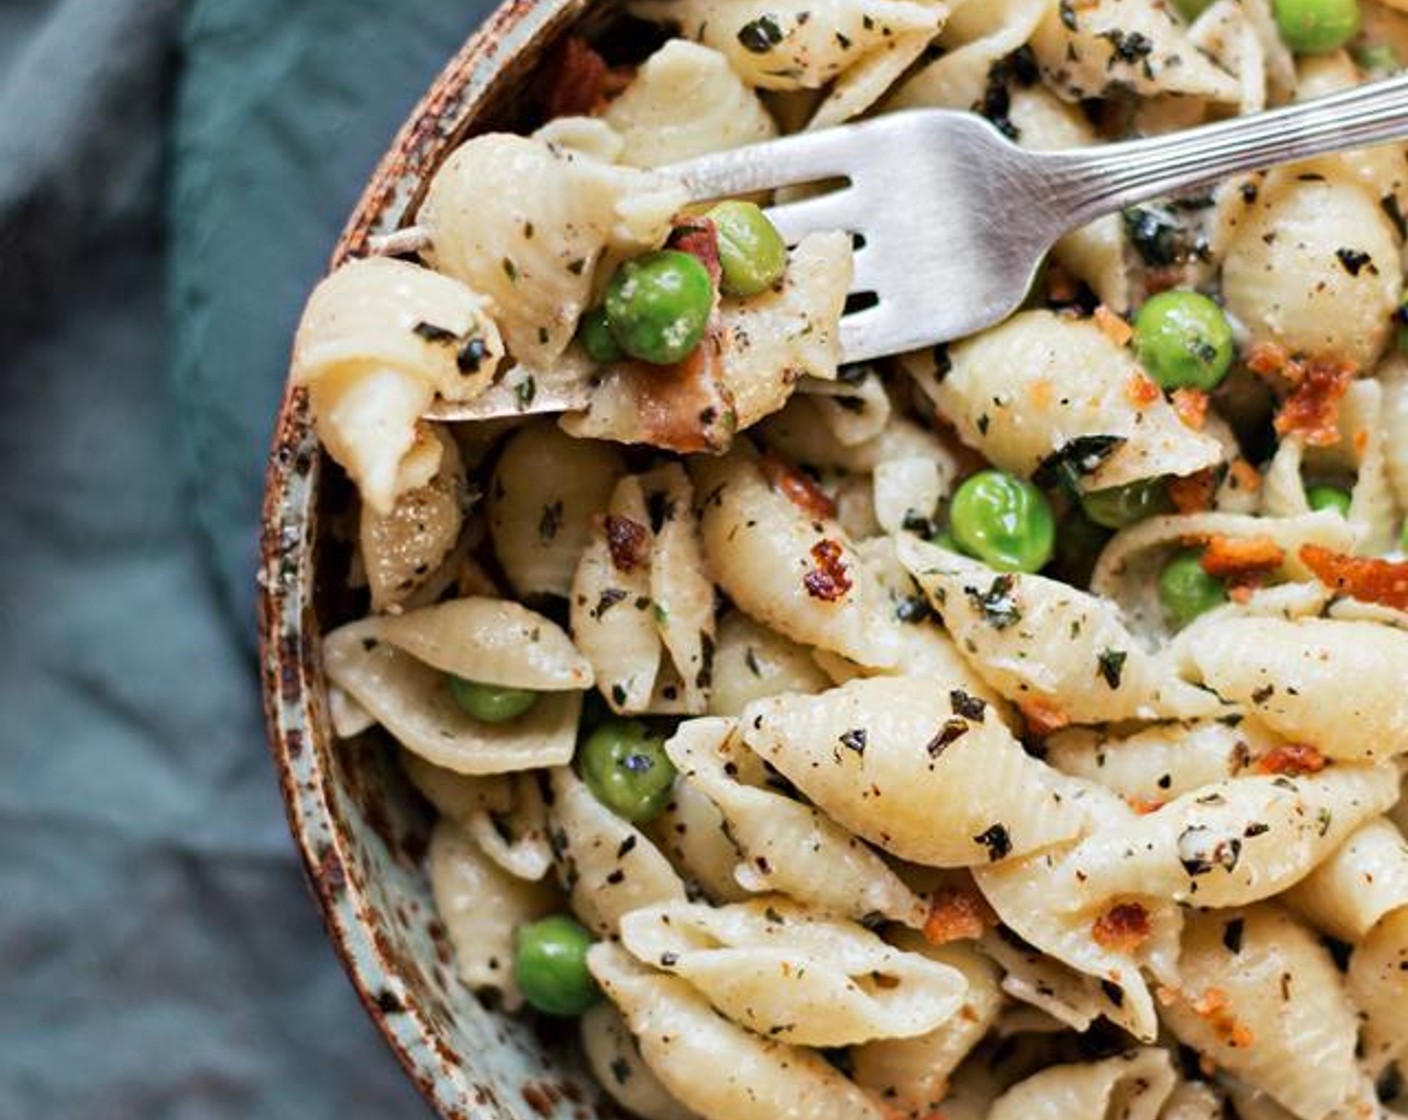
(1255, 829)
(616, 878)
(950, 732)
(854, 740)
(510, 270)
(969, 707)
(750, 658)
(471, 355)
(761, 35)
(669, 960)
(1074, 459)
(1198, 858)
(576, 265)
(1263, 694)
(913, 608)
(609, 598)
(618, 695)
(943, 364)
(525, 391)
(1068, 15)
(550, 521)
(1323, 819)
(433, 334)
(843, 42)
(1232, 934)
(1112, 666)
(620, 1070)
(1157, 236)
(999, 609)
(996, 840)
(1127, 46)
(1354, 260)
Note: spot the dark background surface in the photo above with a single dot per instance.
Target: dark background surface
(172, 178)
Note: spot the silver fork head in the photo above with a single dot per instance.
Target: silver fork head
(948, 218)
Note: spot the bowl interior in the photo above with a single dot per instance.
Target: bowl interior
(360, 827)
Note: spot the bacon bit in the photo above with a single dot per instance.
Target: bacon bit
(700, 239)
(1245, 476)
(1122, 928)
(1213, 1005)
(1166, 996)
(1043, 718)
(1369, 580)
(628, 542)
(577, 80)
(1242, 593)
(1192, 407)
(1237, 557)
(1144, 808)
(1313, 410)
(1267, 358)
(685, 407)
(1113, 326)
(1158, 280)
(828, 581)
(1142, 390)
(1193, 493)
(1061, 286)
(1361, 442)
(957, 913)
(798, 487)
(1292, 759)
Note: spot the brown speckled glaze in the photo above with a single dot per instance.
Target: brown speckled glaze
(359, 827)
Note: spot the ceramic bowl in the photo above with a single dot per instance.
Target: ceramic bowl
(361, 830)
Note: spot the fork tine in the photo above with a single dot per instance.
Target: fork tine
(775, 163)
(833, 210)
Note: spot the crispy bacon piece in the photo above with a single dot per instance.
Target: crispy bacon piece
(1313, 409)
(628, 542)
(699, 238)
(686, 407)
(1122, 928)
(1043, 718)
(957, 913)
(1193, 493)
(1192, 407)
(1267, 358)
(1236, 558)
(797, 486)
(828, 581)
(579, 82)
(1214, 1006)
(1291, 759)
(1113, 326)
(1141, 389)
(1144, 808)
(1360, 577)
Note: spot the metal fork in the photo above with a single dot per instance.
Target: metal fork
(952, 220)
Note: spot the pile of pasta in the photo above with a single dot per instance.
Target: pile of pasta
(943, 840)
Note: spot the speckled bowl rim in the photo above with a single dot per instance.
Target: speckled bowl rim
(290, 643)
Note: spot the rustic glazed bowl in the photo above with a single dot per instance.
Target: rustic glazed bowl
(361, 830)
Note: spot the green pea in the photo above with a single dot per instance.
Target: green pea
(1121, 506)
(1191, 9)
(594, 333)
(658, 306)
(1186, 590)
(1329, 497)
(1316, 26)
(751, 251)
(550, 965)
(1003, 521)
(624, 763)
(1183, 340)
(944, 539)
(1377, 58)
(491, 703)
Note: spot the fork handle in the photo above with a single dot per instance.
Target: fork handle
(1096, 181)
